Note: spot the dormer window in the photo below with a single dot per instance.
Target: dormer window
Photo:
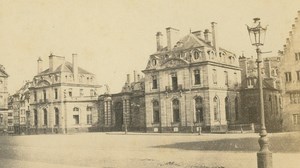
(154, 62)
(196, 55)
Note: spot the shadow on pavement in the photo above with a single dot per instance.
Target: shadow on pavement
(287, 144)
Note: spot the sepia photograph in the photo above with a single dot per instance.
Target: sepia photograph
(149, 84)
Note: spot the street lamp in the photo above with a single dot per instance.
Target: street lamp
(257, 36)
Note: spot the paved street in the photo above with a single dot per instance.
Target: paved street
(145, 150)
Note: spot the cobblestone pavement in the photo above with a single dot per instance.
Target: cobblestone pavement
(110, 150)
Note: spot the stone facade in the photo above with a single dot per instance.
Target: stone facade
(290, 76)
(250, 111)
(63, 98)
(124, 110)
(191, 83)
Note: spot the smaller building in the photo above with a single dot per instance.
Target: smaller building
(19, 103)
(124, 110)
(271, 90)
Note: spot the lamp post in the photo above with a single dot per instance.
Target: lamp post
(257, 37)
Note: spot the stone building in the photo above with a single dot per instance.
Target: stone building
(6, 115)
(191, 83)
(290, 76)
(250, 109)
(63, 98)
(124, 110)
(20, 106)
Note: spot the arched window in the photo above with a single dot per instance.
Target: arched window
(56, 116)
(75, 109)
(176, 116)
(236, 107)
(45, 117)
(35, 117)
(199, 109)
(217, 116)
(156, 117)
(227, 108)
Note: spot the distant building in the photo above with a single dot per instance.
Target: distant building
(290, 76)
(63, 98)
(6, 115)
(191, 83)
(3, 89)
(124, 109)
(20, 106)
(250, 109)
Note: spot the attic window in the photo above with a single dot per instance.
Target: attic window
(196, 55)
(154, 62)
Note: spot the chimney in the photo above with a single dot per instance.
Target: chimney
(55, 61)
(75, 66)
(128, 79)
(206, 36)
(39, 65)
(215, 37)
(172, 37)
(159, 41)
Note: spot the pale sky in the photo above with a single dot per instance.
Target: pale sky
(113, 38)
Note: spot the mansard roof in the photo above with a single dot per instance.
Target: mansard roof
(190, 41)
(65, 67)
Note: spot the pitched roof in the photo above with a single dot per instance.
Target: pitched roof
(65, 67)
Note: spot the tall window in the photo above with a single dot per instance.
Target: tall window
(226, 77)
(197, 77)
(236, 107)
(176, 115)
(174, 81)
(235, 78)
(216, 109)
(45, 95)
(271, 103)
(45, 117)
(296, 119)
(156, 118)
(276, 105)
(76, 119)
(89, 118)
(35, 95)
(298, 75)
(288, 76)
(56, 116)
(227, 108)
(214, 76)
(35, 117)
(154, 82)
(199, 109)
(55, 93)
(297, 56)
